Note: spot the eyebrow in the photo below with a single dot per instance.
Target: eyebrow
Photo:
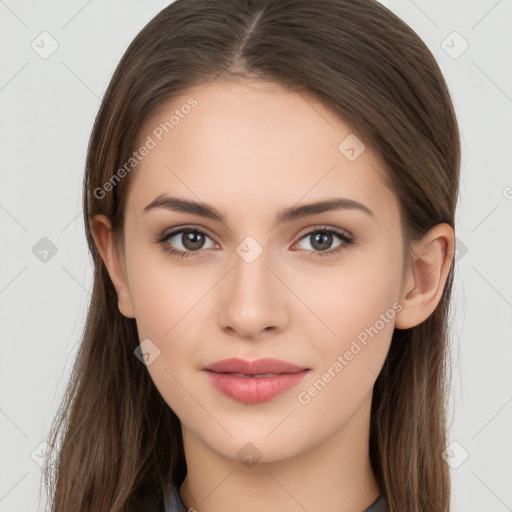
(289, 214)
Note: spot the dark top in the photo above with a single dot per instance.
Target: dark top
(173, 503)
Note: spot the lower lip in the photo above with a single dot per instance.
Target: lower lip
(254, 390)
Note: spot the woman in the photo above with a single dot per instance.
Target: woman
(269, 200)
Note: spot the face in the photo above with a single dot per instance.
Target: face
(317, 289)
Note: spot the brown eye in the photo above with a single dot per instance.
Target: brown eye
(184, 242)
(321, 241)
(192, 240)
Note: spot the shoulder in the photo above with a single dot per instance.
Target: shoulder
(377, 506)
(172, 500)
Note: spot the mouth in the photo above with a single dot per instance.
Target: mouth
(252, 382)
(256, 375)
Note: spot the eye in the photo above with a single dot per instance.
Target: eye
(187, 240)
(321, 240)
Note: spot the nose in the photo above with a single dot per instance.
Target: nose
(253, 300)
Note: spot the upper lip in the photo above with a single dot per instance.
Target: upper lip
(256, 367)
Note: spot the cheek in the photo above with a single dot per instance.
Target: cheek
(170, 312)
(357, 305)
(165, 303)
(350, 364)
(352, 296)
(166, 296)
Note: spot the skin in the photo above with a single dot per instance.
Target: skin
(250, 149)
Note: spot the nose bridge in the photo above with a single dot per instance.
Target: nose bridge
(251, 276)
(251, 301)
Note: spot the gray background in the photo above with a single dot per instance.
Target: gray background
(47, 107)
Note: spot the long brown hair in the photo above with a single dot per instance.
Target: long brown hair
(119, 440)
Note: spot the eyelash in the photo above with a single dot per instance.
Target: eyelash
(162, 240)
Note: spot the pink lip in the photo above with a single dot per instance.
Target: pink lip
(251, 389)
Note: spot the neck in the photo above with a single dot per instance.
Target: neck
(333, 475)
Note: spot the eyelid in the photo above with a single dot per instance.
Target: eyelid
(326, 227)
(188, 227)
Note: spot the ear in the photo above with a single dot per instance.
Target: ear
(424, 282)
(101, 228)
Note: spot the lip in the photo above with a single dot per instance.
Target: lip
(258, 366)
(249, 382)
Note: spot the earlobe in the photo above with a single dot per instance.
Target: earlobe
(101, 228)
(425, 280)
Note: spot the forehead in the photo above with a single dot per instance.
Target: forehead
(254, 143)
